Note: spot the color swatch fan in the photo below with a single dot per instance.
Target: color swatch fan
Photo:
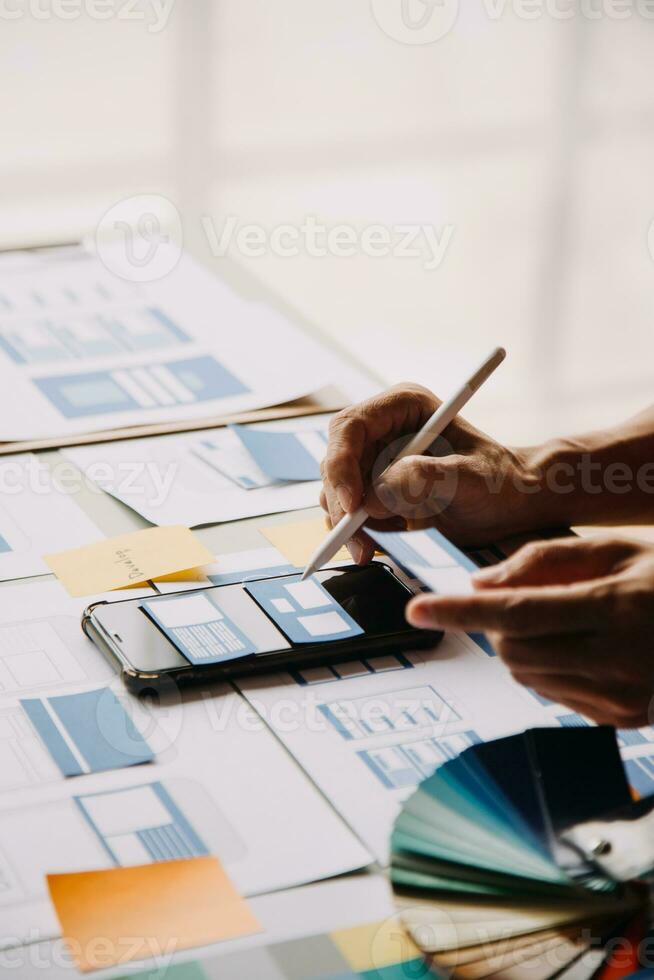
(487, 864)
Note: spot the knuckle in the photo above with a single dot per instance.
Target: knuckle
(346, 425)
(413, 392)
(334, 462)
(341, 418)
(534, 552)
(408, 488)
(626, 708)
(410, 468)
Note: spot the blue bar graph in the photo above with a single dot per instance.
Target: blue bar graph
(404, 765)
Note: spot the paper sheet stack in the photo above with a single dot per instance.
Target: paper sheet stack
(488, 885)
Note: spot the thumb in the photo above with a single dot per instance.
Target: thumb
(558, 562)
(416, 487)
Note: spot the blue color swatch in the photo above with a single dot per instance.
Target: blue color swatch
(88, 732)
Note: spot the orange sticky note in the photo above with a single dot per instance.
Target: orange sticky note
(129, 559)
(110, 918)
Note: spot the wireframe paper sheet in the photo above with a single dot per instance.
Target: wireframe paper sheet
(175, 480)
(37, 516)
(42, 647)
(215, 764)
(82, 350)
(377, 727)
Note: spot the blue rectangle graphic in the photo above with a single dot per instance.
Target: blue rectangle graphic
(640, 773)
(51, 737)
(87, 732)
(197, 379)
(153, 823)
(407, 548)
(304, 611)
(198, 628)
(281, 455)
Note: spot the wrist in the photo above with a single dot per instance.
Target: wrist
(549, 485)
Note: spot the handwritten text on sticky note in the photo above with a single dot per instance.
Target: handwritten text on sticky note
(129, 559)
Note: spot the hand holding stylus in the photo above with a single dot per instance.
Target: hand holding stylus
(356, 436)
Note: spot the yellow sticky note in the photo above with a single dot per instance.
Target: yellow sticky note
(188, 575)
(112, 917)
(297, 542)
(375, 945)
(128, 559)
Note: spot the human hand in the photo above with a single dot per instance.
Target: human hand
(571, 618)
(472, 488)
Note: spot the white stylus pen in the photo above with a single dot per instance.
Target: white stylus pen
(351, 523)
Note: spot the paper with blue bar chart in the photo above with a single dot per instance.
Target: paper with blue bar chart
(82, 350)
(376, 727)
(200, 798)
(137, 824)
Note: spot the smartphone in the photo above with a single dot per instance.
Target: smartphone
(274, 620)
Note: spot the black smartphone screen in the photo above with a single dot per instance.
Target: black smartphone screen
(375, 599)
(372, 596)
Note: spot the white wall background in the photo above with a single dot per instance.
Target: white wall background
(532, 138)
